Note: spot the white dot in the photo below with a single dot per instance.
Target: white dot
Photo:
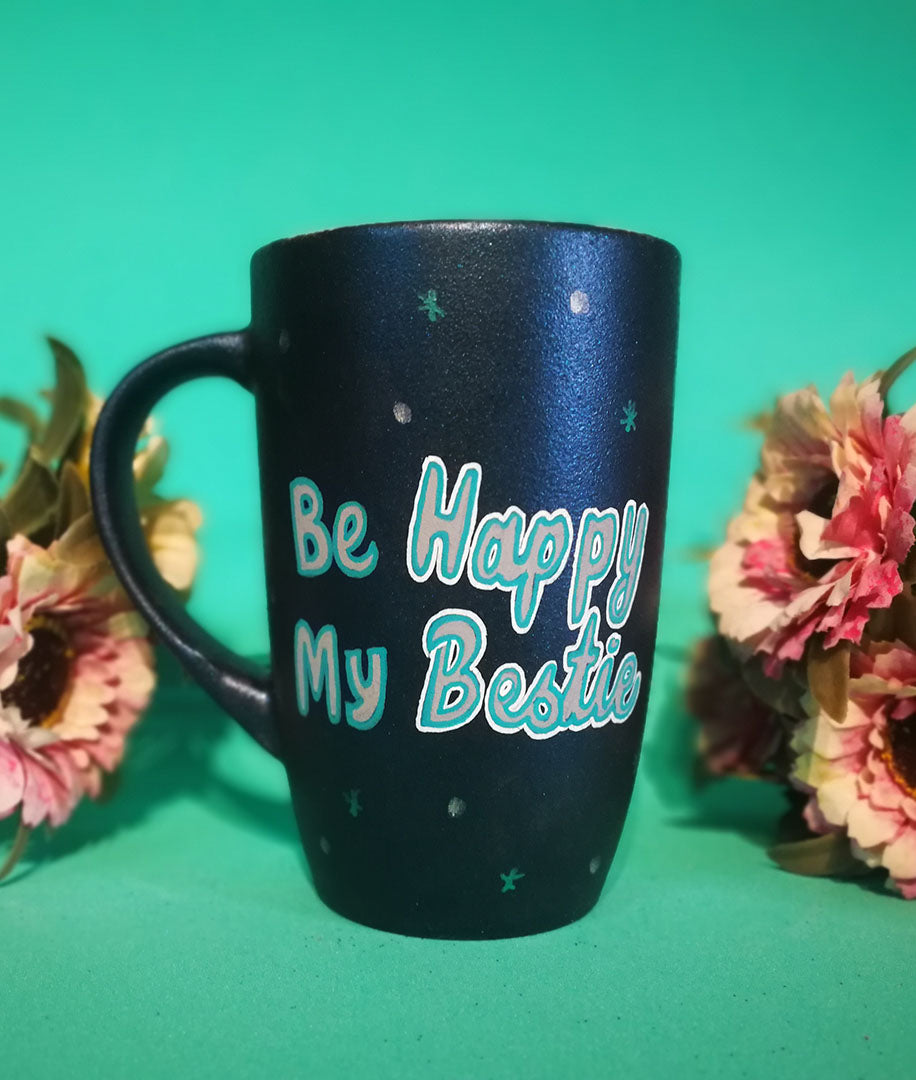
(456, 807)
(402, 413)
(578, 302)
(594, 865)
(324, 844)
(283, 341)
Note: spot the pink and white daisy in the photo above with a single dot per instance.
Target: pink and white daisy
(860, 771)
(75, 673)
(826, 524)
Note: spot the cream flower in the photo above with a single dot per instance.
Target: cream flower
(170, 525)
(860, 770)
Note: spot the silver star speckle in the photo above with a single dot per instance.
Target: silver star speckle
(578, 302)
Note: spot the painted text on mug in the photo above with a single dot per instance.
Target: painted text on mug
(502, 551)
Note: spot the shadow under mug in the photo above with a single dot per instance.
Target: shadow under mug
(464, 437)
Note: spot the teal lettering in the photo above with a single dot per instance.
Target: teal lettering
(369, 693)
(596, 544)
(440, 530)
(521, 561)
(349, 530)
(317, 669)
(313, 544)
(454, 640)
(592, 694)
(629, 564)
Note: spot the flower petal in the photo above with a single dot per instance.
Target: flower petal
(12, 780)
(869, 827)
(837, 797)
(900, 855)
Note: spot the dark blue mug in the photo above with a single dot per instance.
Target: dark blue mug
(464, 436)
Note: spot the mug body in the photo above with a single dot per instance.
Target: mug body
(464, 437)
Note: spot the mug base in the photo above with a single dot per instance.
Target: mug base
(427, 925)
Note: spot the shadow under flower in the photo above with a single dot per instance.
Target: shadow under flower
(752, 808)
(170, 755)
(763, 812)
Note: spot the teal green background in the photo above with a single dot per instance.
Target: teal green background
(145, 152)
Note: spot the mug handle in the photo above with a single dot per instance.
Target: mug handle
(239, 686)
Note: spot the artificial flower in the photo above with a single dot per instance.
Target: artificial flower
(738, 733)
(859, 768)
(75, 672)
(170, 525)
(75, 660)
(826, 524)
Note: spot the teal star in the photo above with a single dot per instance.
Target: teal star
(510, 879)
(351, 798)
(629, 416)
(430, 306)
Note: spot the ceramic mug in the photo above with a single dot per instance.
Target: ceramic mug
(464, 437)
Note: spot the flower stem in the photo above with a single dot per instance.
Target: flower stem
(17, 850)
(894, 372)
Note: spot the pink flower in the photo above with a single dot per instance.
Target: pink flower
(826, 523)
(739, 734)
(75, 672)
(860, 771)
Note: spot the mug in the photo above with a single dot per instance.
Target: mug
(464, 438)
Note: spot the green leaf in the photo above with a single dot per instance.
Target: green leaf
(20, 843)
(68, 405)
(80, 544)
(21, 413)
(72, 500)
(111, 785)
(6, 531)
(893, 373)
(818, 856)
(31, 501)
(828, 677)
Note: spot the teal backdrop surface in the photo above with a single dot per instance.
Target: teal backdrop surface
(145, 152)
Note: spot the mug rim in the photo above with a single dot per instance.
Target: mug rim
(477, 225)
